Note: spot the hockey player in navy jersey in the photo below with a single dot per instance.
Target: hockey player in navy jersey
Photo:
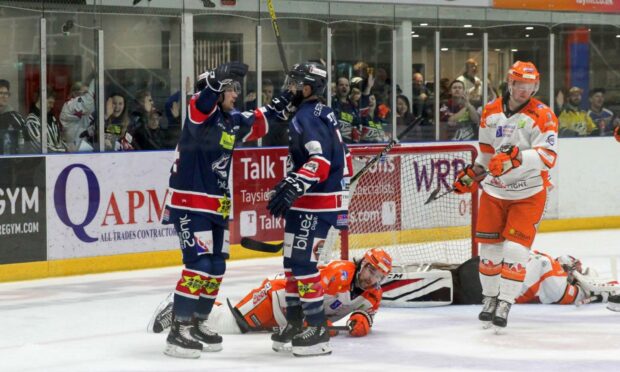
(198, 199)
(312, 198)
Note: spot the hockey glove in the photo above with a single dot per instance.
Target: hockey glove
(507, 159)
(282, 104)
(224, 75)
(617, 133)
(359, 323)
(466, 181)
(284, 195)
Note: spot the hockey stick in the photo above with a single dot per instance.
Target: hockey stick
(259, 246)
(276, 30)
(435, 194)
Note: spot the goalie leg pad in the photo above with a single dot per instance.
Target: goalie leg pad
(614, 303)
(417, 289)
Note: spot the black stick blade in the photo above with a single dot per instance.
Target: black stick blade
(255, 245)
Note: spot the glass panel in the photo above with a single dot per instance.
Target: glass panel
(221, 38)
(303, 30)
(522, 42)
(72, 76)
(142, 76)
(362, 71)
(420, 89)
(587, 74)
(19, 81)
(461, 85)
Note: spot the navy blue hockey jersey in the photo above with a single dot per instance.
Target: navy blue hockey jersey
(318, 155)
(199, 175)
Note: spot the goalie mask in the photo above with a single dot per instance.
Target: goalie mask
(373, 268)
(312, 74)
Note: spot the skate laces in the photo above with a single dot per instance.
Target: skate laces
(204, 328)
(502, 309)
(309, 332)
(184, 331)
(489, 304)
(165, 318)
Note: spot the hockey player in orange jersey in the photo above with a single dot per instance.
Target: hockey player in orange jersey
(518, 145)
(351, 288)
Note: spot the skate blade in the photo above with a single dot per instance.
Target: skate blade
(151, 327)
(499, 330)
(211, 348)
(280, 347)
(306, 351)
(487, 325)
(613, 307)
(179, 352)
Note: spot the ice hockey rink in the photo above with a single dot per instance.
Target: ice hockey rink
(98, 323)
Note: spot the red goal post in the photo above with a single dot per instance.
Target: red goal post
(387, 207)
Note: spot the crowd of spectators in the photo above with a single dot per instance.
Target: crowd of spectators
(361, 100)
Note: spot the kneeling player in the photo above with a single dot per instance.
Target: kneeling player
(350, 288)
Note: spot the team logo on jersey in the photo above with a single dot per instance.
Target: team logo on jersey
(550, 140)
(311, 166)
(224, 207)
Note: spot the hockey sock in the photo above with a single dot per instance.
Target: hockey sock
(293, 305)
(187, 293)
(490, 268)
(513, 270)
(310, 292)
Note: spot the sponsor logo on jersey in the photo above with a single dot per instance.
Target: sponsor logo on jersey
(518, 234)
(227, 141)
(550, 140)
(334, 305)
(342, 220)
(204, 242)
(499, 132)
(344, 275)
(521, 124)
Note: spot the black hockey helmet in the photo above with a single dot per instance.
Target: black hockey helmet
(313, 74)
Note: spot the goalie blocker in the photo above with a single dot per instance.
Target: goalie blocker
(428, 285)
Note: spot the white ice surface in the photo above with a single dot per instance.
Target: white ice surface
(98, 323)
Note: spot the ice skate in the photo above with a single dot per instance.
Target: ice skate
(282, 339)
(500, 319)
(313, 341)
(488, 309)
(180, 343)
(162, 318)
(212, 342)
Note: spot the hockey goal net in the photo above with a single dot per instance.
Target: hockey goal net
(387, 207)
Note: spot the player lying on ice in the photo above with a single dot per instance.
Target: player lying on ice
(351, 288)
(548, 280)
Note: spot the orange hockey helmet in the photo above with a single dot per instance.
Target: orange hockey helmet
(523, 71)
(379, 259)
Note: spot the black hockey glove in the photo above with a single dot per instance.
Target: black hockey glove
(284, 194)
(225, 74)
(282, 104)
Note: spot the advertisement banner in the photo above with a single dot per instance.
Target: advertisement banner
(255, 173)
(105, 204)
(22, 210)
(598, 6)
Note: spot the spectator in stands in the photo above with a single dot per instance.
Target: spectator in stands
(382, 87)
(575, 122)
(76, 117)
(116, 137)
(54, 139)
(405, 118)
(346, 112)
(604, 119)
(140, 115)
(375, 125)
(150, 136)
(473, 84)
(420, 94)
(11, 123)
(458, 117)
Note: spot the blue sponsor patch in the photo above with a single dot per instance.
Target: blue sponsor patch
(336, 304)
(499, 132)
(342, 220)
(344, 275)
